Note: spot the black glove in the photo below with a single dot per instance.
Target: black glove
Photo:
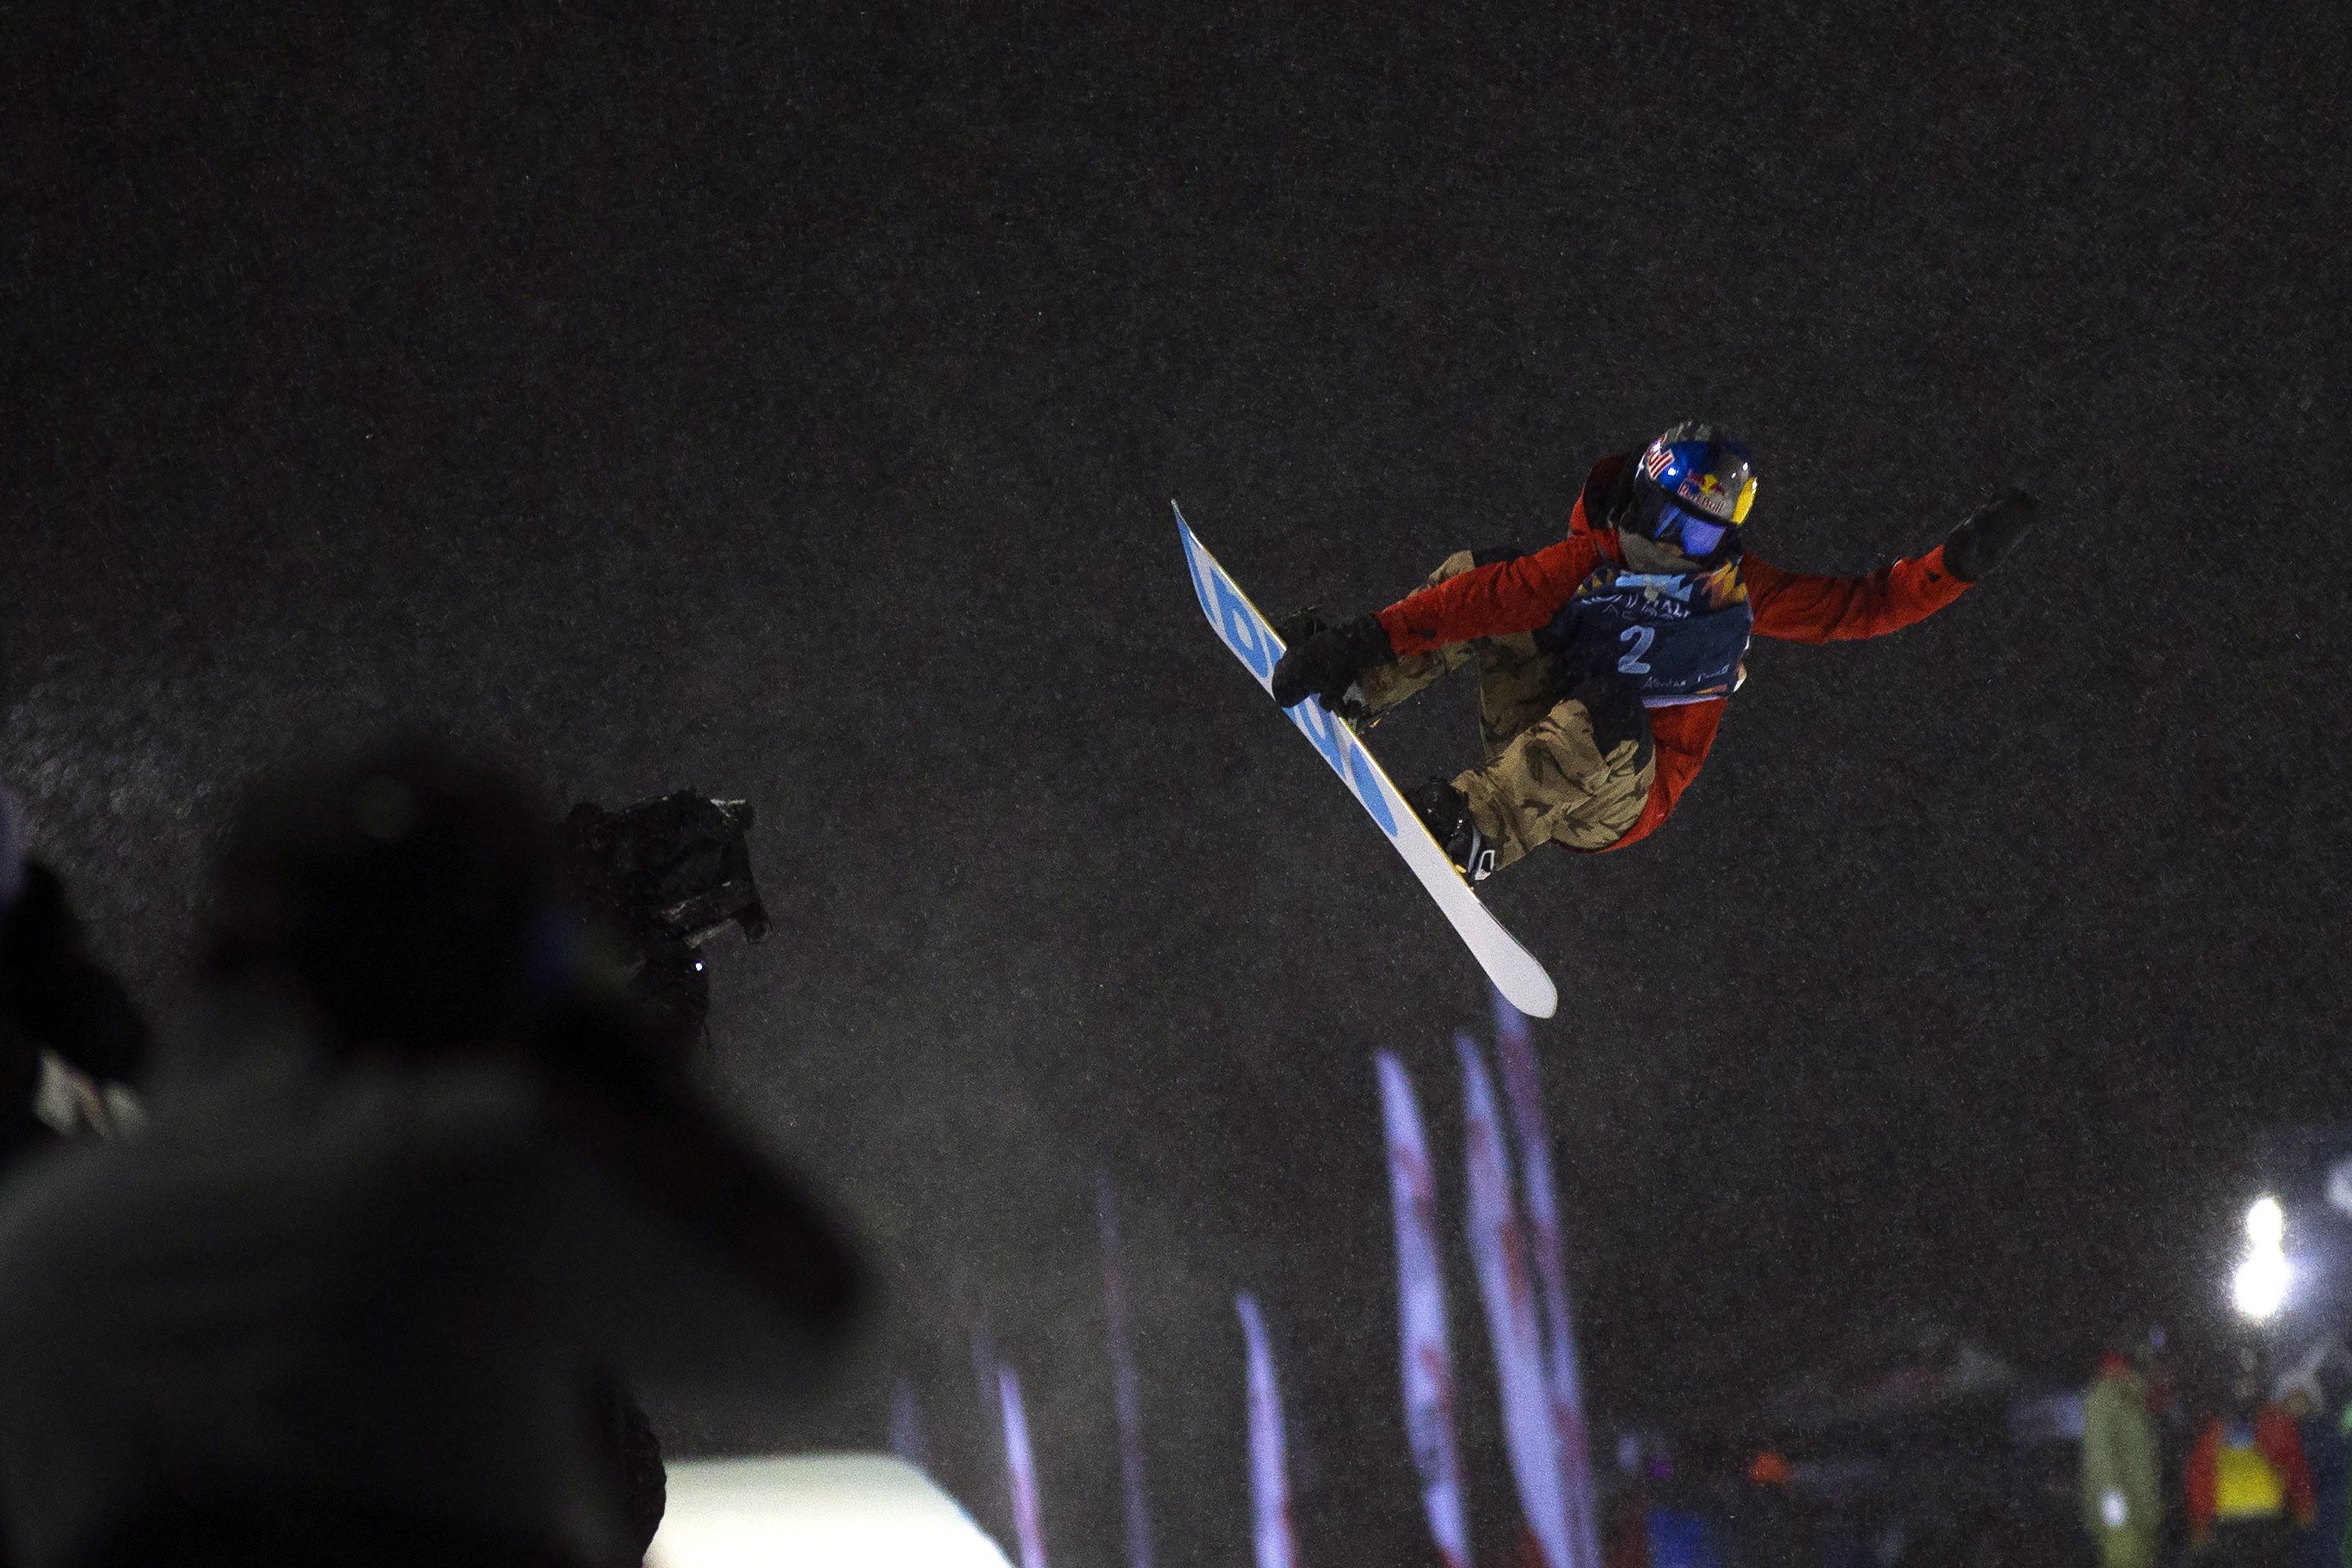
(1614, 705)
(1987, 533)
(1326, 665)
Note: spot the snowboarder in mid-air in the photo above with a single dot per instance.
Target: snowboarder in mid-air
(1606, 660)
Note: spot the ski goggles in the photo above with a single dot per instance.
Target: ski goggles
(1694, 534)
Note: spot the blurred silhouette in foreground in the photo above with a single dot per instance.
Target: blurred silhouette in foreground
(419, 1186)
(69, 1038)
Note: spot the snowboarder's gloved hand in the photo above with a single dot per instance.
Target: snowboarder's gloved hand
(1326, 665)
(1988, 534)
(1614, 705)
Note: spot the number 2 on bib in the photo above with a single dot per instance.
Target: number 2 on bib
(1640, 637)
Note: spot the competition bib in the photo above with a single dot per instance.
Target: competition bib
(1677, 636)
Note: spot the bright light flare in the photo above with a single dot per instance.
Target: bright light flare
(2259, 1288)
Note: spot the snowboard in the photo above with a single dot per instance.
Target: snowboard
(1238, 625)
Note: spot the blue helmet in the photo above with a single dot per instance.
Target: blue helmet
(1693, 488)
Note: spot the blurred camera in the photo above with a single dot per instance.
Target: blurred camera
(665, 880)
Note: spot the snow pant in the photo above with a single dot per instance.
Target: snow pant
(2127, 1546)
(1544, 780)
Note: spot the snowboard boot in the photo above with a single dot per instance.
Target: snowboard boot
(1446, 810)
(1300, 625)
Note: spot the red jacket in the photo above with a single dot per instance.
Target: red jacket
(1523, 594)
(2275, 1440)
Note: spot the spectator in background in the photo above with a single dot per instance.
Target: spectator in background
(2122, 1504)
(416, 1189)
(2298, 1397)
(1768, 1528)
(56, 1000)
(1625, 1527)
(2175, 1434)
(1681, 1537)
(2344, 1441)
(2248, 1488)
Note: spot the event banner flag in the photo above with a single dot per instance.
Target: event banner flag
(1504, 1289)
(1021, 1466)
(1269, 1459)
(1426, 1348)
(1127, 1395)
(1541, 1197)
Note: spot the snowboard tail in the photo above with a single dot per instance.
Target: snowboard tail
(1245, 632)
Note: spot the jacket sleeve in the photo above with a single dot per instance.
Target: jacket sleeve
(1798, 608)
(1683, 736)
(2282, 1446)
(1517, 595)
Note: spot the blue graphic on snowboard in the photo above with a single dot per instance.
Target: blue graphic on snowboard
(1514, 971)
(1253, 644)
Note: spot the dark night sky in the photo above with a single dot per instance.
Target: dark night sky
(790, 408)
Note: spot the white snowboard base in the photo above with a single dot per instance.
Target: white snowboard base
(1514, 971)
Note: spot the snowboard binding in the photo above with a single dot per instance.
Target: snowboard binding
(1446, 810)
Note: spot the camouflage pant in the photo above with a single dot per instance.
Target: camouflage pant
(1544, 780)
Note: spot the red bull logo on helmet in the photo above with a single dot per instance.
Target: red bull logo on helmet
(1688, 471)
